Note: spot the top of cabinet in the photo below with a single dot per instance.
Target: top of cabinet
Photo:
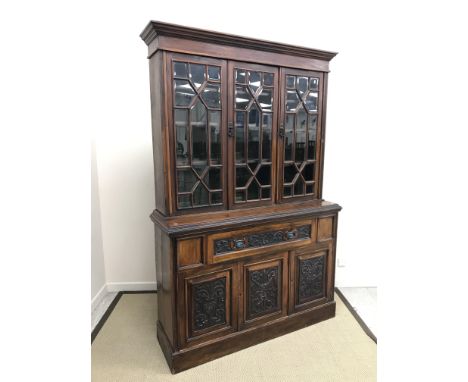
(157, 28)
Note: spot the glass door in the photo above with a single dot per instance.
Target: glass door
(253, 91)
(300, 134)
(198, 119)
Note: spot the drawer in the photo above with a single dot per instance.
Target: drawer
(246, 242)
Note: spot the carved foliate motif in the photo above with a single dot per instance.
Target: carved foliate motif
(263, 291)
(311, 278)
(209, 303)
(261, 239)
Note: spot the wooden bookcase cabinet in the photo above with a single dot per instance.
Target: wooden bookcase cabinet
(245, 244)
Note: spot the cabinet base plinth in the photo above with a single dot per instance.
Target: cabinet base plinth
(205, 352)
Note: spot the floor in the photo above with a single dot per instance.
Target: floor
(363, 300)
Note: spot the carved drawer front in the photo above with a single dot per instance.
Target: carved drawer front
(208, 304)
(310, 284)
(239, 243)
(264, 290)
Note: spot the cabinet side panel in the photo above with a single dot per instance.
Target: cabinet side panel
(165, 283)
(157, 97)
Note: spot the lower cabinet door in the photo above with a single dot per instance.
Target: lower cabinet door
(207, 304)
(264, 289)
(310, 277)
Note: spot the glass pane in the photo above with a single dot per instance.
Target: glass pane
(240, 196)
(186, 179)
(199, 168)
(240, 76)
(312, 137)
(213, 178)
(287, 191)
(200, 196)
(292, 100)
(299, 187)
(240, 120)
(216, 198)
(266, 139)
(301, 85)
(313, 83)
(180, 69)
(253, 133)
(180, 121)
(197, 74)
(265, 99)
(253, 164)
(311, 101)
(184, 201)
(308, 172)
(199, 138)
(264, 175)
(242, 97)
(214, 73)
(184, 93)
(253, 192)
(212, 96)
(254, 80)
(268, 79)
(242, 176)
(266, 193)
(289, 173)
(290, 82)
(288, 142)
(300, 135)
(309, 189)
(215, 127)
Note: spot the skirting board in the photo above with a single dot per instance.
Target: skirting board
(131, 286)
(96, 300)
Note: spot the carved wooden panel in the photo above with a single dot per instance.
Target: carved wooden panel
(311, 278)
(209, 303)
(261, 239)
(263, 291)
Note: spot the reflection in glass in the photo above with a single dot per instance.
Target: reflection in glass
(266, 193)
(311, 101)
(301, 85)
(240, 126)
(287, 191)
(242, 97)
(180, 121)
(265, 98)
(290, 82)
(180, 69)
(299, 187)
(200, 196)
(212, 96)
(312, 137)
(216, 198)
(253, 192)
(240, 196)
(300, 135)
(313, 84)
(288, 142)
(213, 178)
(186, 179)
(268, 79)
(240, 76)
(308, 172)
(197, 74)
(199, 138)
(266, 140)
(184, 201)
(184, 93)
(289, 173)
(242, 176)
(292, 100)
(254, 81)
(263, 175)
(309, 189)
(215, 126)
(253, 133)
(214, 73)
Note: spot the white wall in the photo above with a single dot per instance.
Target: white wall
(123, 133)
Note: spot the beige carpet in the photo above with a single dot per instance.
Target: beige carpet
(126, 349)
